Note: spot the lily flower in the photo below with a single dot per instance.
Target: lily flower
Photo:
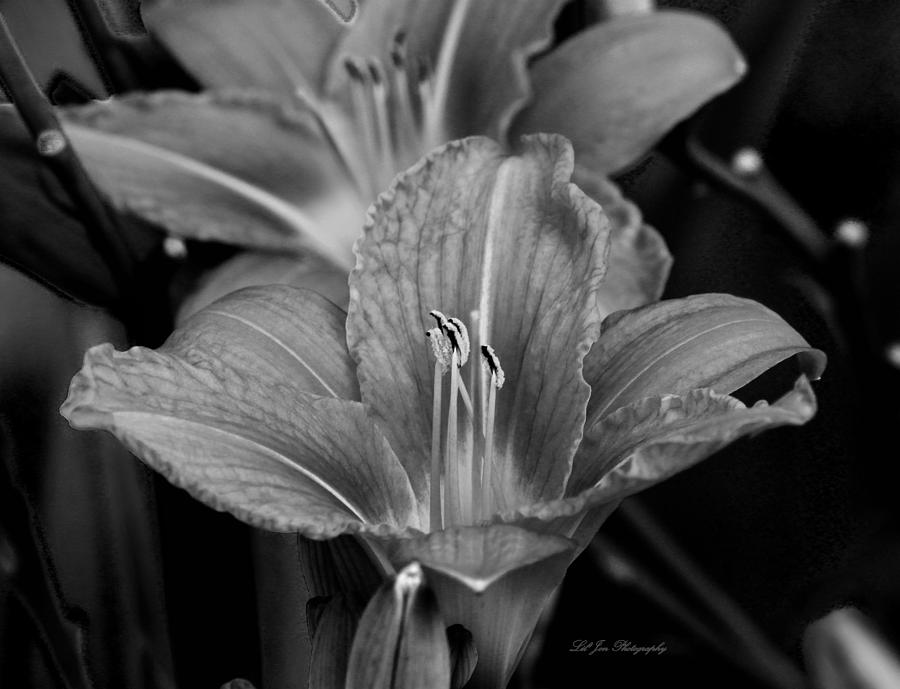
(489, 451)
(307, 117)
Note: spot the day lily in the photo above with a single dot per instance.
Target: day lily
(306, 116)
(275, 405)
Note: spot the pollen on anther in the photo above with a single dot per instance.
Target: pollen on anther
(440, 347)
(491, 364)
(463, 345)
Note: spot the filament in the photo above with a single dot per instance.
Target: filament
(451, 491)
(435, 502)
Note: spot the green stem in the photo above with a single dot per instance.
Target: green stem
(619, 567)
(41, 120)
(729, 617)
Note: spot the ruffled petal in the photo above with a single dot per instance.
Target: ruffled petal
(280, 45)
(235, 167)
(274, 335)
(210, 416)
(494, 580)
(471, 228)
(639, 260)
(486, 79)
(707, 340)
(655, 438)
(617, 87)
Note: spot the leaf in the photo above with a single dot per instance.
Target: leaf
(332, 641)
(401, 642)
(709, 340)
(463, 655)
(338, 565)
(615, 89)
(41, 233)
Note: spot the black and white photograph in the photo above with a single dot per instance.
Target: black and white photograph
(449, 344)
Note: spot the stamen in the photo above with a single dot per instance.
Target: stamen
(385, 145)
(439, 317)
(492, 364)
(364, 111)
(336, 137)
(440, 347)
(442, 353)
(462, 341)
(434, 124)
(451, 489)
(406, 127)
(477, 441)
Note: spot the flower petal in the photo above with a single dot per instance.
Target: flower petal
(331, 642)
(274, 335)
(174, 159)
(494, 580)
(255, 268)
(269, 453)
(470, 228)
(708, 340)
(679, 429)
(639, 260)
(477, 556)
(280, 45)
(487, 53)
(401, 640)
(617, 87)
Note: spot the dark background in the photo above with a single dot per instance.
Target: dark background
(790, 524)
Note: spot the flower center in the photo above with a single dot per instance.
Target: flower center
(392, 107)
(462, 466)
(400, 109)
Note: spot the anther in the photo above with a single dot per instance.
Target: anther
(462, 344)
(398, 50)
(374, 72)
(455, 336)
(492, 365)
(441, 348)
(353, 69)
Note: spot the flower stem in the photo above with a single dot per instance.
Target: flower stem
(40, 119)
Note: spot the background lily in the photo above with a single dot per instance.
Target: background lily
(306, 118)
(275, 406)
